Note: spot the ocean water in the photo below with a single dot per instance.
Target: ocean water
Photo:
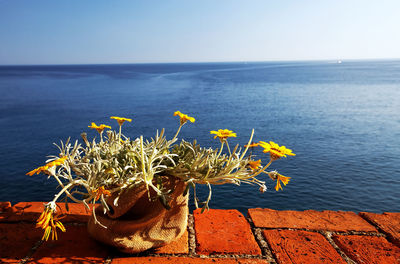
(342, 121)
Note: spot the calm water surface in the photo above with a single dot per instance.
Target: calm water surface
(342, 121)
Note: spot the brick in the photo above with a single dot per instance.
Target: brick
(30, 211)
(313, 220)
(73, 246)
(17, 240)
(186, 260)
(5, 206)
(297, 246)
(26, 211)
(223, 231)
(77, 213)
(389, 223)
(368, 249)
(179, 246)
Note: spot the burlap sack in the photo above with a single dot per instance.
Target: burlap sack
(138, 224)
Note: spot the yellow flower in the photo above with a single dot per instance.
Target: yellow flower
(184, 118)
(56, 162)
(99, 128)
(100, 191)
(279, 178)
(252, 145)
(37, 170)
(223, 134)
(275, 151)
(49, 224)
(254, 165)
(121, 120)
(44, 168)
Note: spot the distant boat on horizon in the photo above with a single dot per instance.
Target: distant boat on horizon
(339, 61)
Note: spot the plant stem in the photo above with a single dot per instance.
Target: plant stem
(67, 192)
(63, 190)
(263, 169)
(177, 132)
(227, 144)
(248, 144)
(143, 163)
(222, 146)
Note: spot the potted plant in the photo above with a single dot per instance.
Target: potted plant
(141, 186)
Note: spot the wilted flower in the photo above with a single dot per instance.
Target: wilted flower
(254, 165)
(263, 188)
(49, 223)
(99, 191)
(274, 175)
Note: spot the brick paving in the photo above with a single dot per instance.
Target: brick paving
(224, 232)
(388, 223)
(372, 249)
(216, 236)
(298, 246)
(312, 220)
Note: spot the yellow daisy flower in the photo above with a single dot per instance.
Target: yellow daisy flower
(99, 128)
(37, 170)
(184, 118)
(56, 162)
(44, 168)
(121, 120)
(223, 134)
(275, 151)
(254, 165)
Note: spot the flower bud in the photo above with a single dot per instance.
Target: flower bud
(273, 175)
(84, 137)
(263, 189)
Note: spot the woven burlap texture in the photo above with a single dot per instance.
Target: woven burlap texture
(138, 224)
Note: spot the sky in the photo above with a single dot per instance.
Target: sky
(105, 31)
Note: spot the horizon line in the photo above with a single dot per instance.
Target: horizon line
(195, 62)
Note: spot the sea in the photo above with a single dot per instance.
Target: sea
(340, 118)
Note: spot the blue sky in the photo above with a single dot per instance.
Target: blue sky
(100, 31)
